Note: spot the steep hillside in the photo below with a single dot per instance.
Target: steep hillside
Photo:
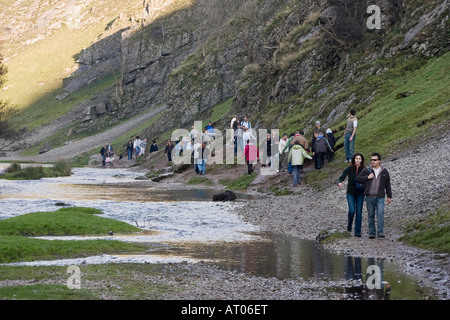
(282, 63)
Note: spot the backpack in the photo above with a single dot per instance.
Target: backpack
(361, 186)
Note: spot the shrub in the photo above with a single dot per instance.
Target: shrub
(14, 167)
(62, 168)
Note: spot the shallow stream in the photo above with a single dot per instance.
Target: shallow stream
(184, 225)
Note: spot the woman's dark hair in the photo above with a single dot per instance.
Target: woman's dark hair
(353, 164)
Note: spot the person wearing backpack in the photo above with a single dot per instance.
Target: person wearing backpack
(355, 196)
(296, 156)
(377, 186)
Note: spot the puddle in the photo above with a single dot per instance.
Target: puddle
(185, 225)
(287, 257)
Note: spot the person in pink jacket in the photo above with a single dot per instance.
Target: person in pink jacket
(251, 154)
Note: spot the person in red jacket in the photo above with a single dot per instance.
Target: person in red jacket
(251, 154)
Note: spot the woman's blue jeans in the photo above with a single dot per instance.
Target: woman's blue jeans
(355, 206)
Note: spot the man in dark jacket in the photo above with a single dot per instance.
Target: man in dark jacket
(321, 146)
(103, 154)
(377, 185)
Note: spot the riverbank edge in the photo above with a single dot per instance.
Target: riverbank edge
(308, 211)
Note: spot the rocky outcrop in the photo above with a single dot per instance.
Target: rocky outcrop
(272, 56)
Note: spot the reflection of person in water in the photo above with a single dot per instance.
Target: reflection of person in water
(357, 288)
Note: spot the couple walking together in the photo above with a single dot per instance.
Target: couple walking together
(372, 183)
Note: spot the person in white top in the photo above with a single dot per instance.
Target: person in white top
(247, 135)
(247, 124)
(350, 136)
(137, 146)
(283, 155)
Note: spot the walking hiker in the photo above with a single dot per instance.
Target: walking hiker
(130, 150)
(316, 130)
(251, 153)
(296, 156)
(332, 141)
(168, 150)
(267, 157)
(300, 136)
(153, 147)
(321, 146)
(103, 154)
(282, 151)
(377, 186)
(136, 146)
(210, 129)
(198, 158)
(247, 135)
(246, 124)
(109, 150)
(350, 135)
(275, 155)
(355, 196)
(287, 148)
(143, 145)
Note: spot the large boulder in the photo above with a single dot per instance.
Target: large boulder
(225, 196)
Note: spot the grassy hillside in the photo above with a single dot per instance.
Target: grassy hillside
(409, 107)
(398, 99)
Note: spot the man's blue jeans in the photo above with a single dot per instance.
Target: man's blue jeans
(349, 146)
(138, 150)
(375, 206)
(355, 205)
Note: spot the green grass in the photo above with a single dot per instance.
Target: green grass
(240, 183)
(63, 222)
(16, 246)
(46, 109)
(123, 281)
(431, 232)
(327, 236)
(390, 122)
(220, 110)
(20, 248)
(44, 292)
(280, 191)
(35, 172)
(35, 76)
(199, 180)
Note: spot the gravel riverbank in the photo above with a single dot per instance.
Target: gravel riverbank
(419, 186)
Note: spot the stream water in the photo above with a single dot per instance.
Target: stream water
(185, 225)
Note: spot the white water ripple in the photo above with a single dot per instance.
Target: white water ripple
(171, 222)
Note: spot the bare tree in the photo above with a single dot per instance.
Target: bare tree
(343, 22)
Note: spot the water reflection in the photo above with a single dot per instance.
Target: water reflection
(190, 226)
(287, 257)
(373, 287)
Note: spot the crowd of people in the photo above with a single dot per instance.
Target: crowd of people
(107, 154)
(370, 184)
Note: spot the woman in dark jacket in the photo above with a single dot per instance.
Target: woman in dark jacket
(168, 150)
(355, 197)
(130, 150)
